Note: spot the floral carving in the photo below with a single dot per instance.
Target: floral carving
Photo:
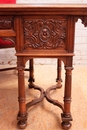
(5, 24)
(45, 34)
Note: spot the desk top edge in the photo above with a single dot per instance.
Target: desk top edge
(36, 9)
(57, 5)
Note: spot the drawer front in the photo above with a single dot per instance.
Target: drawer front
(45, 33)
(6, 22)
(7, 33)
(7, 26)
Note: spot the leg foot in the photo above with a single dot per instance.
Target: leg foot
(22, 124)
(31, 85)
(66, 125)
(22, 121)
(59, 84)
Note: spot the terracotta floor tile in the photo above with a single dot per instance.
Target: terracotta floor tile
(43, 116)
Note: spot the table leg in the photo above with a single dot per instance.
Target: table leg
(22, 115)
(66, 115)
(31, 76)
(59, 79)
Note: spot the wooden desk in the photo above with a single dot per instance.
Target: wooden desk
(42, 31)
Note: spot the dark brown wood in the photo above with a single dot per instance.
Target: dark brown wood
(31, 76)
(59, 78)
(43, 31)
(22, 105)
(59, 67)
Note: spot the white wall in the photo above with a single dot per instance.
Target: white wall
(51, 1)
(7, 55)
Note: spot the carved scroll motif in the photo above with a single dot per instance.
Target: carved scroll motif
(9, 39)
(45, 34)
(5, 24)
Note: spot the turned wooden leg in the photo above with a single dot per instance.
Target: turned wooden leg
(59, 79)
(22, 115)
(31, 76)
(66, 115)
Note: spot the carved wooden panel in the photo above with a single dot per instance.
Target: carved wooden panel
(45, 33)
(6, 22)
(11, 39)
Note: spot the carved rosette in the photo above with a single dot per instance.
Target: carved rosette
(45, 34)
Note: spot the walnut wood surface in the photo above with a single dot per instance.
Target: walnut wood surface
(42, 31)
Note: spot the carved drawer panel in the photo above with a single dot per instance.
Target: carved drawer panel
(46, 33)
(6, 22)
(7, 26)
